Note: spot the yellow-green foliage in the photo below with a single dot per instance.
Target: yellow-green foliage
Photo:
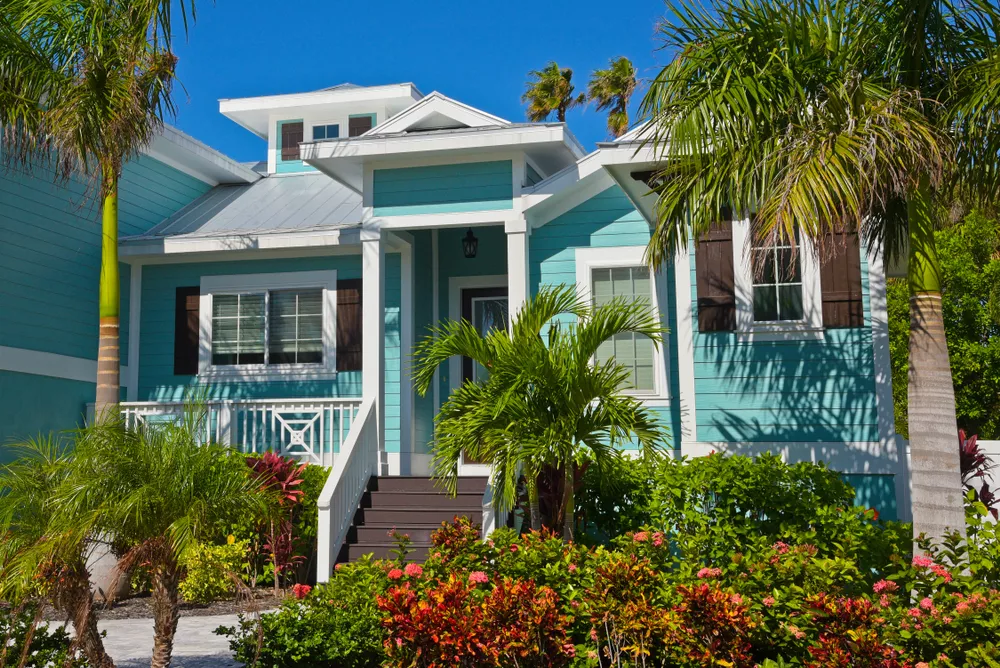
(212, 570)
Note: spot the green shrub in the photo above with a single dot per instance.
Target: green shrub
(49, 646)
(337, 625)
(211, 570)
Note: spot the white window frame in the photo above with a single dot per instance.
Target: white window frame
(620, 257)
(256, 283)
(811, 324)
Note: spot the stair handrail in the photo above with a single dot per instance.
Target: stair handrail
(338, 502)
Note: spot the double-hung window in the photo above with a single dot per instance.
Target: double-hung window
(329, 131)
(777, 281)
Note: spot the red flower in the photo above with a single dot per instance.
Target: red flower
(300, 591)
(413, 570)
(395, 574)
(709, 573)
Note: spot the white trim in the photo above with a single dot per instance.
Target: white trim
(433, 103)
(407, 426)
(436, 306)
(591, 258)
(140, 246)
(439, 220)
(811, 325)
(685, 348)
(242, 283)
(318, 98)
(186, 154)
(373, 327)
(134, 320)
(38, 363)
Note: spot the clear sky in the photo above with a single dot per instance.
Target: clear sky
(473, 51)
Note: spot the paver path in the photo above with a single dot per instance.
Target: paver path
(130, 642)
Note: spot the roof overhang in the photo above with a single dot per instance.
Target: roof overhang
(186, 154)
(629, 163)
(144, 248)
(254, 113)
(550, 146)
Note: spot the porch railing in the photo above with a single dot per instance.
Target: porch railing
(312, 430)
(356, 463)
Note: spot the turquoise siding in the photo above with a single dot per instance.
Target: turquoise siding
(34, 405)
(157, 381)
(475, 186)
(785, 390)
(51, 253)
(604, 221)
(876, 491)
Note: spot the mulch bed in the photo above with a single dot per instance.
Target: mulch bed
(138, 607)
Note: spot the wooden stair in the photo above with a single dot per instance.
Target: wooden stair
(412, 505)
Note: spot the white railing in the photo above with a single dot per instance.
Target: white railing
(353, 467)
(311, 430)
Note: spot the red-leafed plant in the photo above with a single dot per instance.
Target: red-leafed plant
(281, 476)
(849, 634)
(975, 465)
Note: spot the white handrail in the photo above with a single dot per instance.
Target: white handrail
(355, 465)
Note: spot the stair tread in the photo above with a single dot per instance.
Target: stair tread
(396, 525)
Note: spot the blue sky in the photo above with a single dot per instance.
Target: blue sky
(473, 51)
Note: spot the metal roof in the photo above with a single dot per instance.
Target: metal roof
(298, 202)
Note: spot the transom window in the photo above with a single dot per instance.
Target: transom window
(777, 282)
(635, 351)
(270, 327)
(326, 131)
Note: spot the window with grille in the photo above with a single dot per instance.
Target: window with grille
(270, 328)
(635, 351)
(326, 132)
(777, 282)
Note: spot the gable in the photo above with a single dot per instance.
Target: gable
(438, 112)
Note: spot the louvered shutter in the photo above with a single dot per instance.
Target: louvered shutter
(291, 137)
(358, 125)
(840, 281)
(349, 333)
(185, 331)
(715, 279)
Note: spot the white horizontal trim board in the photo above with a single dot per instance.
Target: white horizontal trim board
(38, 363)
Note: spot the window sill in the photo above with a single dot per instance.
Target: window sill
(259, 373)
(789, 331)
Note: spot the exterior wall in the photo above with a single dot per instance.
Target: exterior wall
(604, 221)
(471, 186)
(49, 271)
(157, 381)
(423, 314)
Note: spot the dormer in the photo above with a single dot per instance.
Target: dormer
(345, 110)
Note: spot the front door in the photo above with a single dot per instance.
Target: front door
(486, 309)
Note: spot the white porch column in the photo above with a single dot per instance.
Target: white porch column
(373, 324)
(517, 265)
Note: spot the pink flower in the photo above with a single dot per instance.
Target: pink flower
(736, 599)
(884, 586)
(962, 608)
(338, 567)
(883, 600)
(915, 613)
(927, 603)
(593, 634)
(413, 570)
(657, 539)
(941, 572)
(768, 601)
(478, 577)
(513, 548)
(641, 537)
(395, 574)
(300, 591)
(709, 573)
(780, 548)
(569, 649)
(922, 561)
(399, 642)
(794, 630)
(572, 568)
(922, 664)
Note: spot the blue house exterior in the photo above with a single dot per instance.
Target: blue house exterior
(289, 297)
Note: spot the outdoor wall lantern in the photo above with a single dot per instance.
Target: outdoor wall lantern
(470, 244)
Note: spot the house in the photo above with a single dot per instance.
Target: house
(288, 298)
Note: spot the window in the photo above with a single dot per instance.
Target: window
(326, 132)
(360, 124)
(777, 282)
(262, 325)
(634, 351)
(291, 137)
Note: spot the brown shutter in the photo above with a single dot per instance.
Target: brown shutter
(291, 137)
(349, 334)
(186, 331)
(716, 280)
(358, 125)
(840, 280)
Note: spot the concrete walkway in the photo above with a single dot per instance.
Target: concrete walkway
(130, 642)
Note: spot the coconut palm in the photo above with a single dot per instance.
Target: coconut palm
(544, 401)
(28, 547)
(836, 115)
(159, 491)
(612, 90)
(83, 88)
(551, 90)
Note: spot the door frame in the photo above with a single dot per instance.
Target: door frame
(455, 286)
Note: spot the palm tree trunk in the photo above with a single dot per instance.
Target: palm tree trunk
(108, 392)
(534, 508)
(89, 639)
(936, 484)
(569, 502)
(165, 613)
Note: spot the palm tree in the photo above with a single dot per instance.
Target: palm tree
(836, 115)
(612, 90)
(83, 88)
(544, 401)
(550, 89)
(159, 491)
(26, 489)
